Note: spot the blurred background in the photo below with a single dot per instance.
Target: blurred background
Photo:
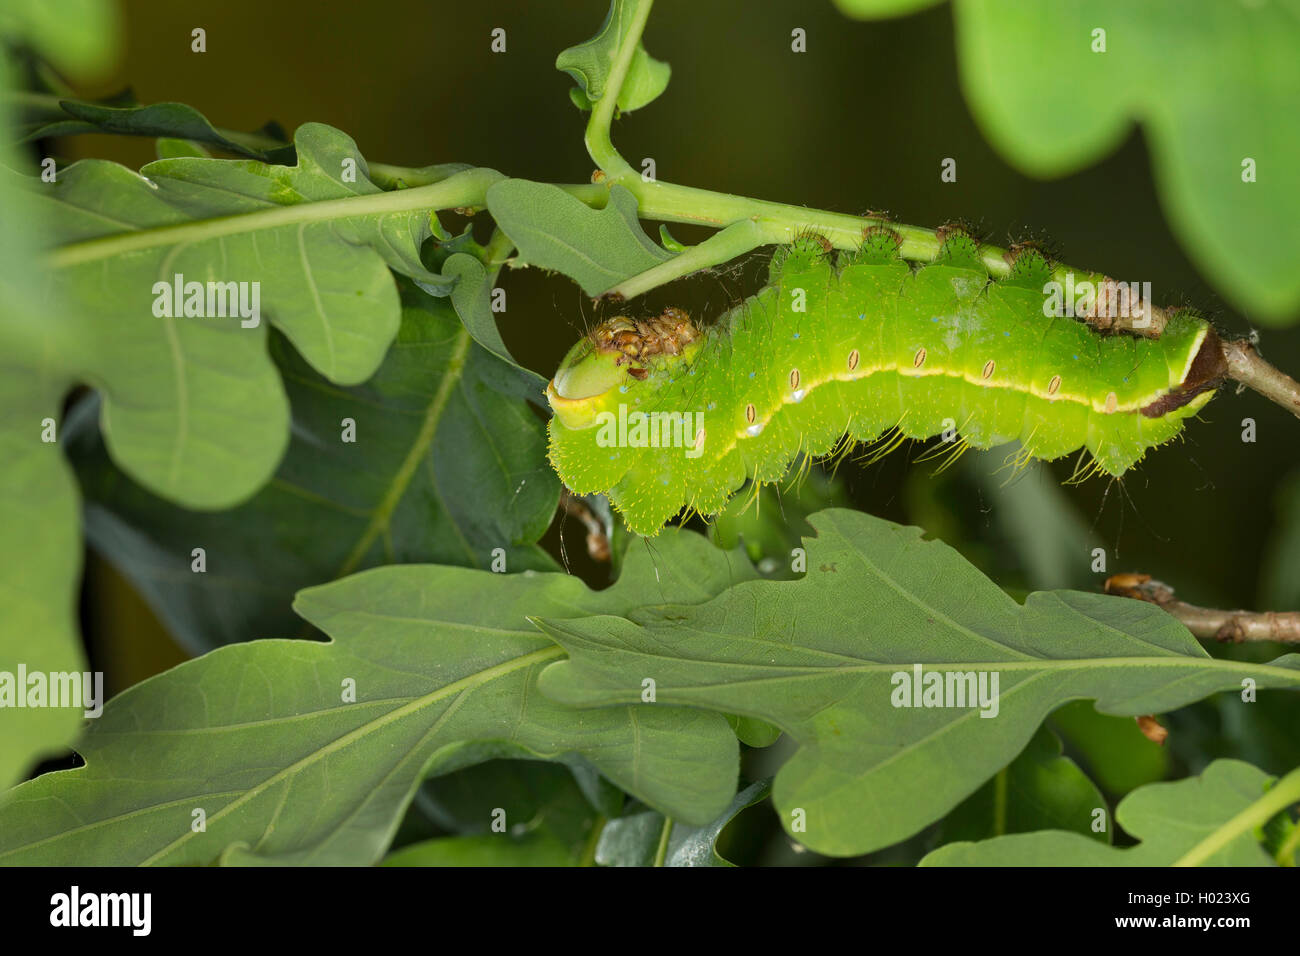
(861, 121)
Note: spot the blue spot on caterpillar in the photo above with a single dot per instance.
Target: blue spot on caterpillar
(945, 341)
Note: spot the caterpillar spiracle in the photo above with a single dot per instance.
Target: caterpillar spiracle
(661, 415)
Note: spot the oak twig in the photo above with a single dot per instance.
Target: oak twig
(1247, 367)
(1233, 627)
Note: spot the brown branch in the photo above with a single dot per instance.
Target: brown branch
(1247, 367)
(1208, 623)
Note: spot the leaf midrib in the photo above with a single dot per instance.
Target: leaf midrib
(453, 191)
(401, 480)
(465, 684)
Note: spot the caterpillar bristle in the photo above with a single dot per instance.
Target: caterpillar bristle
(1018, 462)
(839, 454)
(953, 453)
(1086, 467)
(959, 227)
(1041, 243)
(882, 447)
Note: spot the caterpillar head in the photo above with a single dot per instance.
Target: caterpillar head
(618, 352)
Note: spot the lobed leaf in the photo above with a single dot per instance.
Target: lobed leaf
(590, 64)
(259, 738)
(121, 115)
(471, 297)
(827, 659)
(193, 407)
(40, 568)
(40, 550)
(443, 469)
(1210, 84)
(597, 248)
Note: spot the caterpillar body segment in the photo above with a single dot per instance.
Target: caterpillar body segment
(661, 414)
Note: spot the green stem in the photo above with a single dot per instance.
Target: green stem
(668, 202)
(496, 253)
(1280, 796)
(599, 145)
(735, 240)
(661, 851)
(387, 176)
(782, 223)
(463, 189)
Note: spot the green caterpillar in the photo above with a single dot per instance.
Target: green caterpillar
(661, 415)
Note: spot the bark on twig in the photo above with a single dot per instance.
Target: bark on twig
(1208, 623)
(1247, 367)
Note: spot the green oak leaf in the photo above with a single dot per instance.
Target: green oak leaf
(193, 407)
(122, 116)
(260, 738)
(471, 297)
(443, 469)
(1039, 790)
(40, 550)
(826, 658)
(1189, 821)
(1209, 82)
(590, 63)
(40, 568)
(43, 116)
(638, 839)
(597, 248)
